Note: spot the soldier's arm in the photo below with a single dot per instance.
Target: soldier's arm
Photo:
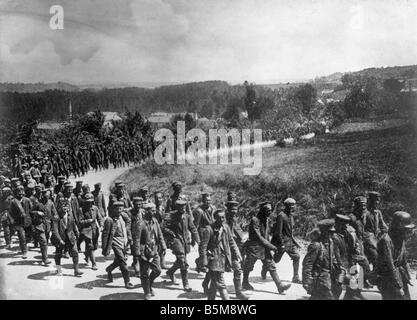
(104, 204)
(308, 263)
(197, 216)
(385, 254)
(193, 230)
(100, 219)
(278, 230)
(160, 236)
(136, 235)
(382, 225)
(233, 246)
(265, 242)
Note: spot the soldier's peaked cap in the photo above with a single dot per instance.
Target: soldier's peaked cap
(6, 189)
(326, 224)
(265, 204)
(342, 217)
(374, 194)
(176, 184)
(119, 184)
(232, 203)
(149, 205)
(135, 199)
(68, 185)
(61, 178)
(289, 201)
(15, 179)
(89, 197)
(118, 204)
(8, 180)
(180, 202)
(98, 184)
(360, 199)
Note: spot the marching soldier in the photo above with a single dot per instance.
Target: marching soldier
(322, 272)
(203, 218)
(147, 239)
(136, 217)
(283, 238)
(177, 195)
(222, 253)
(177, 228)
(99, 200)
(64, 237)
(120, 196)
(50, 212)
(160, 216)
(259, 248)
(392, 268)
(91, 223)
(5, 217)
(39, 213)
(114, 237)
(144, 194)
(374, 227)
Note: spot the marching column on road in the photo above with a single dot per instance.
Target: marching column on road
(348, 253)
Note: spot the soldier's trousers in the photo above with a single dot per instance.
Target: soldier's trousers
(180, 263)
(40, 237)
(250, 260)
(22, 238)
(371, 254)
(145, 266)
(120, 258)
(216, 279)
(47, 231)
(391, 292)
(29, 234)
(202, 247)
(68, 247)
(8, 232)
(294, 255)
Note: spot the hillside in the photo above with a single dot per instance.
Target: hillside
(37, 87)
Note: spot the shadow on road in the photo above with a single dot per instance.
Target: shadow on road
(8, 255)
(123, 296)
(26, 263)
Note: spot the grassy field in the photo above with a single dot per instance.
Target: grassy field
(322, 176)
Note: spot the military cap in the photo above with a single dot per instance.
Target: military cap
(7, 180)
(342, 217)
(119, 184)
(2, 177)
(144, 188)
(27, 173)
(118, 204)
(181, 202)
(360, 199)
(68, 185)
(36, 176)
(6, 189)
(136, 199)
(402, 220)
(89, 197)
(15, 179)
(149, 205)
(98, 184)
(176, 184)
(374, 194)
(232, 203)
(31, 185)
(20, 187)
(265, 204)
(289, 201)
(326, 224)
(40, 186)
(205, 194)
(45, 190)
(61, 178)
(79, 183)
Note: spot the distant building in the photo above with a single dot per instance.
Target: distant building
(50, 126)
(162, 118)
(109, 116)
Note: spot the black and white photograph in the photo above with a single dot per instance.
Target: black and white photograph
(200, 150)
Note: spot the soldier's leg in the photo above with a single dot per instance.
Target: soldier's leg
(22, 241)
(47, 231)
(121, 257)
(206, 283)
(184, 271)
(144, 278)
(7, 235)
(28, 234)
(202, 250)
(212, 289)
(270, 265)
(155, 272)
(72, 249)
(237, 280)
(174, 267)
(89, 249)
(248, 265)
(221, 285)
(41, 237)
(295, 257)
(58, 255)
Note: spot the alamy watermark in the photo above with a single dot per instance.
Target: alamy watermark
(221, 143)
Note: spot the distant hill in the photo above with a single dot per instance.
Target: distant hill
(36, 87)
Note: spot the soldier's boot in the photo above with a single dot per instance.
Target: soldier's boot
(296, 266)
(65, 255)
(152, 278)
(162, 260)
(24, 255)
(171, 274)
(77, 271)
(211, 293)
(263, 273)
(224, 294)
(205, 284)
(128, 284)
(136, 266)
(245, 283)
(238, 289)
(109, 269)
(184, 277)
(146, 287)
(9, 246)
(59, 270)
(280, 286)
(44, 252)
(93, 260)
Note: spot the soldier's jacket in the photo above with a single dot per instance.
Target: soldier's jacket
(147, 239)
(392, 262)
(222, 249)
(160, 213)
(374, 225)
(27, 207)
(239, 235)
(100, 202)
(258, 238)
(359, 225)
(50, 211)
(60, 233)
(321, 266)
(346, 247)
(73, 203)
(38, 214)
(5, 209)
(203, 217)
(89, 222)
(282, 230)
(177, 229)
(109, 230)
(170, 205)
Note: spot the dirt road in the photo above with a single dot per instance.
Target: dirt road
(28, 279)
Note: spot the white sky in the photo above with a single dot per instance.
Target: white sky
(195, 40)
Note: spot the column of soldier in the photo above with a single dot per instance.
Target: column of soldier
(64, 162)
(70, 216)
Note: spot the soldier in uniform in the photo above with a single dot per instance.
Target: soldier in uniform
(78, 190)
(59, 188)
(64, 237)
(27, 205)
(136, 217)
(177, 229)
(203, 218)
(258, 247)
(283, 238)
(120, 196)
(160, 216)
(38, 214)
(99, 200)
(5, 218)
(144, 194)
(374, 227)
(147, 239)
(177, 195)
(322, 271)
(114, 237)
(392, 268)
(50, 212)
(90, 222)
